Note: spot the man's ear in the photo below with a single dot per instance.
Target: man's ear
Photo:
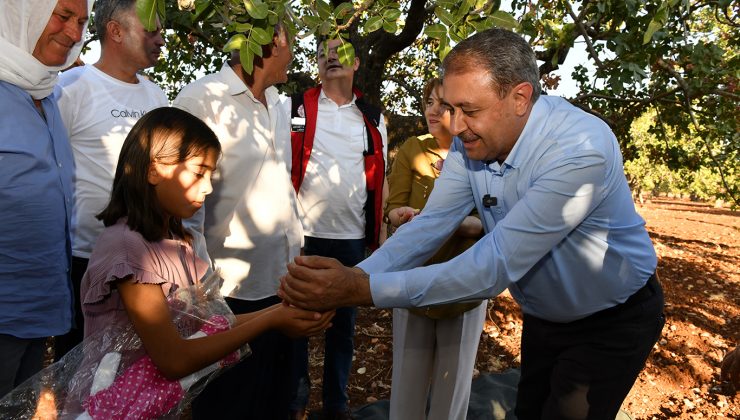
(357, 64)
(522, 95)
(114, 31)
(153, 175)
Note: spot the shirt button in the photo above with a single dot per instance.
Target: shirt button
(59, 164)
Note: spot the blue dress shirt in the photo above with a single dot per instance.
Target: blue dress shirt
(36, 187)
(564, 236)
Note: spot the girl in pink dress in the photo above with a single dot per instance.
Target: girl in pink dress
(145, 254)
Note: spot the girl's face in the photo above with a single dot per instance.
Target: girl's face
(182, 187)
(437, 116)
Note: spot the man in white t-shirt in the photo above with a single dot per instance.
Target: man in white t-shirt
(99, 104)
(339, 145)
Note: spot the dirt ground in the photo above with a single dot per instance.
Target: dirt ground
(698, 247)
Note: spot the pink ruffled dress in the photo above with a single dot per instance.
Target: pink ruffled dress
(120, 253)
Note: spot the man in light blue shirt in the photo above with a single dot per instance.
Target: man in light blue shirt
(562, 234)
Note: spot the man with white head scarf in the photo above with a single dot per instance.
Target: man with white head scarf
(37, 39)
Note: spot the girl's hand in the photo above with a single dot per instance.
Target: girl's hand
(296, 322)
(401, 215)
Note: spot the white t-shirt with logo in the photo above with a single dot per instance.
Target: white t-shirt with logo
(98, 111)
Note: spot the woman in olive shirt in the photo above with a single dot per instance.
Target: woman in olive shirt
(434, 347)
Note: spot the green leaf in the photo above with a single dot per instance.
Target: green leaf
(480, 25)
(147, 12)
(346, 54)
(653, 27)
(273, 19)
(454, 35)
(444, 16)
(324, 9)
(444, 48)
(242, 27)
(256, 8)
(200, 8)
(235, 42)
(260, 35)
(246, 58)
(343, 10)
(503, 20)
(391, 14)
(462, 10)
(312, 22)
(463, 31)
(447, 4)
(373, 24)
(254, 47)
(390, 27)
(325, 28)
(436, 31)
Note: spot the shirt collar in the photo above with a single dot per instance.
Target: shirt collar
(236, 86)
(429, 144)
(324, 98)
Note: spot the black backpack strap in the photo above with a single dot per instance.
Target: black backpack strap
(296, 101)
(372, 113)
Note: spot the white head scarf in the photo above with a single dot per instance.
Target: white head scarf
(21, 25)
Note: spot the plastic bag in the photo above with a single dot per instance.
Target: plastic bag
(110, 376)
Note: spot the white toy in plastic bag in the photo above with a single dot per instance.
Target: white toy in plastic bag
(141, 391)
(110, 376)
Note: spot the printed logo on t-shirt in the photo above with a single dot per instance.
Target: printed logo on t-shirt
(126, 113)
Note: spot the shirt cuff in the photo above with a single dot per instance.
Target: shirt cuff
(388, 290)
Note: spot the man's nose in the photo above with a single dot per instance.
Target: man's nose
(457, 123)
(74, 30)
(159, 40)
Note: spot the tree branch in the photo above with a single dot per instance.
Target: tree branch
(392, 44)
(407, 87)
(584, 34)
(358, 12)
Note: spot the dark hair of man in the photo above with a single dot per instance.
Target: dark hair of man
(166, 135)
(107, 10)
(266, 53)
(506, 56)
(429, 87)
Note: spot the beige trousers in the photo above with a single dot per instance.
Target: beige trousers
(433, 360)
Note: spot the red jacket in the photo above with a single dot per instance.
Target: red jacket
(301, 138)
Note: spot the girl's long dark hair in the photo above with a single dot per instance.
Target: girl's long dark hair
(167, 135)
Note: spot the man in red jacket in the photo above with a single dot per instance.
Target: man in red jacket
(339, 145)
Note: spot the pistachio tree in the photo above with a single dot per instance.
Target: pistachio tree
(676, 59)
